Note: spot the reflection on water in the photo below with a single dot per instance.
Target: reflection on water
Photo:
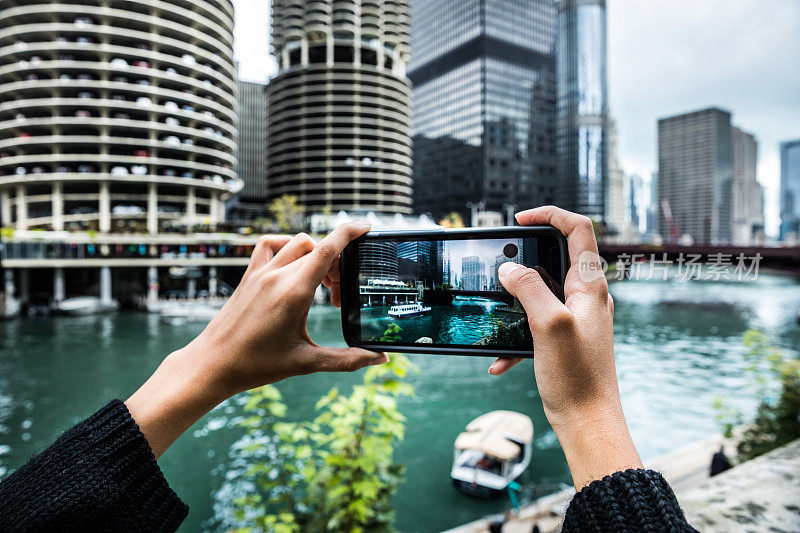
(677, 347)
(465, 321)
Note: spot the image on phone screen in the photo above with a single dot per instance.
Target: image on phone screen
(447, 292)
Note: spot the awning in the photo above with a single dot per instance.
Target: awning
(490, 434)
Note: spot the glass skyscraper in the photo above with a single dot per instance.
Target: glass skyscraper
(582, 106)
(790, 190)
(483, 104)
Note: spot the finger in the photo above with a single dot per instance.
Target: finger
(582, 245)
(327, 251)
(555, 287)
(526, 285)
(347, 359)
(336, 295)
(300, 245)
(611, 306)
(266, 247)
(334, 274)
(578, 229)
(502, 365)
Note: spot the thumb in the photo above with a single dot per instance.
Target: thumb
(527, 286)
(347, 359)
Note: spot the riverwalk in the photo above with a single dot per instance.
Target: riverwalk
(685, 468)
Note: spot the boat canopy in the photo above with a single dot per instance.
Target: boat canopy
(491, 434)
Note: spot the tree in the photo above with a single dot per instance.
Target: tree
(286, 212)
(452, 220)
(777, 420)
(335, 473)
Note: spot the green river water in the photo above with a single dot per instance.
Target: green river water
(678, 345)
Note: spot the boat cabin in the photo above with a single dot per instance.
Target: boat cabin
(494, 450)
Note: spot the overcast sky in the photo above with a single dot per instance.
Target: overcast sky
(665, 57)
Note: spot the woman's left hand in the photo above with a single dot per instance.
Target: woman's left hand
(258, 337)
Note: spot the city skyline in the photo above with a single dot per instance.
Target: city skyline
(665, 58)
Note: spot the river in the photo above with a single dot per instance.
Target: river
(678, 346)
(464, 321)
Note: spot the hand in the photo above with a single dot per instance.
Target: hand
(260, 334)
(574, 352)
(258, 337)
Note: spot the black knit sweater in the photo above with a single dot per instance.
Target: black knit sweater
(102, 476)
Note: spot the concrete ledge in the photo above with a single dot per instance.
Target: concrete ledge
(759, 495)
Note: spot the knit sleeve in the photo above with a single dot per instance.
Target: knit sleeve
(98, 476)
(633, 500)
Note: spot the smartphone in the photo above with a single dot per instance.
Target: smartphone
(438, 291)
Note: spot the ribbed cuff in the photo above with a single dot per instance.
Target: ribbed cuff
(129, 463)
(633, 500)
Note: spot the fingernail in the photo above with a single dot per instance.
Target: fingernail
(379, 360)
(507, 268)
(364, 226)
(492, 368)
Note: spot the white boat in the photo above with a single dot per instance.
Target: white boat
(408, 310)
(85, 305)
(183, 312)
(494, 450)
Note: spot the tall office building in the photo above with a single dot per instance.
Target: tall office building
(706, 179)
(251, 157)
(582, 137)
(652, 208)
(748, 196)
(790, 190)
(635, 202)
(695, 175)
(116, 116)
(339, 108)
(615, 186)
(483, 104)
(421, 261)
(473, 274)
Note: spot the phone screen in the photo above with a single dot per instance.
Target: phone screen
(446, 292)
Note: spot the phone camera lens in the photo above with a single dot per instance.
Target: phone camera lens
(510, 251)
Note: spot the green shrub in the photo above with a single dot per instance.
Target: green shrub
(777, 420)
(334, 473)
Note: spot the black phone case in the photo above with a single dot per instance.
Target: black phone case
(349, 285)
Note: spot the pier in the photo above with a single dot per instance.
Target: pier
(46, 268)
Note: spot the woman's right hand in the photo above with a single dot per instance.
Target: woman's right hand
(574, 351)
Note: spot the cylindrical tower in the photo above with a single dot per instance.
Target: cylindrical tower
(339, 108)
(116, 115)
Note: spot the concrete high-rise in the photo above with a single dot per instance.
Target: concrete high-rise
(582, 137)
(748, 196)
(707, 179)
(473, 274)
(790, 190)
(251, 157)
(339, 108)
(116, 116)
(695, 175)
(483, 104)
